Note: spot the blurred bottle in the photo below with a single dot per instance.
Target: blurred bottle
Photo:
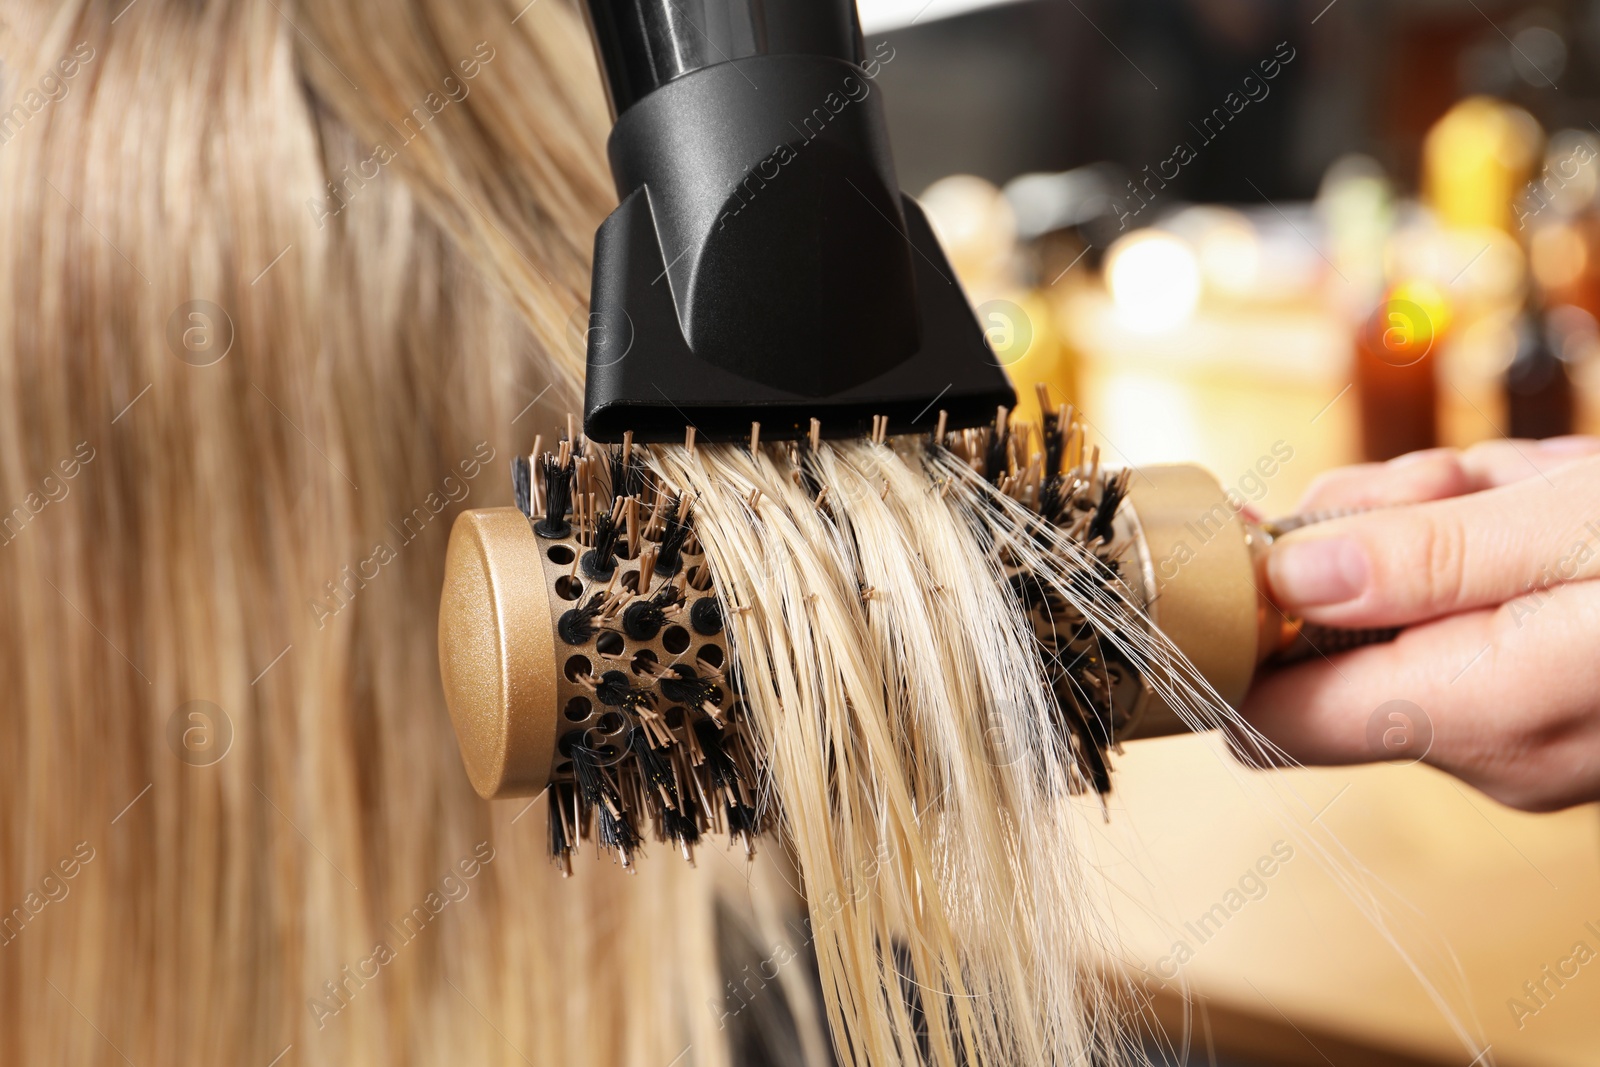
(1574, 336)
(1395, 371)
(1356, 205)
(1476, 160)
(1540, 398)
(1557, 218)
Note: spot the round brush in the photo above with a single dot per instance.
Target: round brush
(584, 649)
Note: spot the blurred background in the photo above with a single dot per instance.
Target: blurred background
(1234, 230)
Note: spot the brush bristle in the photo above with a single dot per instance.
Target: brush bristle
(1077, 497)
(666, 743)
(632, 756)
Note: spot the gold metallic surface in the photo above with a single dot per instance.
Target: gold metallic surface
(497, 652)
(1194, 551)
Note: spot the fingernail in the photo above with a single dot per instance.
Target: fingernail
(1573, 445)
(1314, 573)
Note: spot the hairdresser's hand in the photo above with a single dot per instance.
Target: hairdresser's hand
(1491, 559)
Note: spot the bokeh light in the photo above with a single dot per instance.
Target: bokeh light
(1154, 279)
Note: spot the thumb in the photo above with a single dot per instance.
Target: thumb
(1402, 565)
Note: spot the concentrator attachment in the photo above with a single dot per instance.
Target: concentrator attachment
(763, 264)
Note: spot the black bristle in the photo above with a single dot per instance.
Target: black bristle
(600, 795)
(522, 484)
(655, 769)
(616, 691)
(1054, 499)
(1090, 731)
(557, 498)
(1055, 444)
(688, 688)
(1116, 487)
(720, 770)
(601, 561)
(743, 820)
(593, 786)
(643, 620)
(627, 476)
(680, 827)
(577, 625)
(616, 831)
(706, 616)
(674, 534)
(994, 455)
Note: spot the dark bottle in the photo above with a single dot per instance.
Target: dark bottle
(1395, 385)
(1539, 395)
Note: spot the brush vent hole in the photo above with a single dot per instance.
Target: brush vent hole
(675, 639)
(564, 767)
(630, 581)
(643, 660)
(610, 723)
(710, 655)
(568, 587)
(675, 718)
(700, 576)
(569, 740)
(560, 555)
(578, 667)
(609, 643)
(578, 709)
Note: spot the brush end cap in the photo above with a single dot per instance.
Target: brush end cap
(497, 653)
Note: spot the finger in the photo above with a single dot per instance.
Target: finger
(1319, 712)
(1492, 464)
(1505, 703)
(1409, 479)
(1438, 473)
(1401, 565)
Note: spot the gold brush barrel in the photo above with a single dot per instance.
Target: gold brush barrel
(1195, 564)
(517, 686)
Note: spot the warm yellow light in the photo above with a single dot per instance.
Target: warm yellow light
(1226, 245)
(1430, 298)
(976, 229)
(1409, 322)
(1154, 280)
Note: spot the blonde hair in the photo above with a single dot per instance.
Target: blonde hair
(261, 489)
(283, 288)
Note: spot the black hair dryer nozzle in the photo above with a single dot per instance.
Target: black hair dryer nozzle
(763, 264)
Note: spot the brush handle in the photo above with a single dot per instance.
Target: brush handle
(1303, 640)
(643, 44)
(1197, 564)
